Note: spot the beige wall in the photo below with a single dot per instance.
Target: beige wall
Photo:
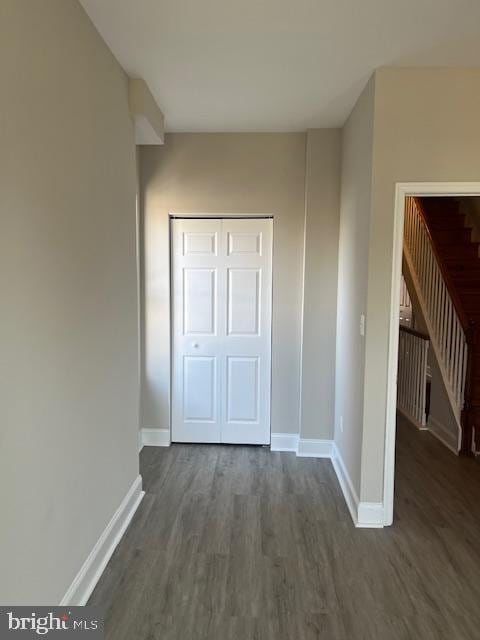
(426, 128)
(322, 202)
(68, 330)
(231, 174)
(355, 208)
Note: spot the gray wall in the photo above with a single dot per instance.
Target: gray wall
(231, 174)
(418, 125)
(322, 202)
(355, 208)
(68, 330)
(438, 142)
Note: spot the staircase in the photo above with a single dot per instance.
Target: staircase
(445, 264)
(460, 257)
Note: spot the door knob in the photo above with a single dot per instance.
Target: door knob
(195, 345)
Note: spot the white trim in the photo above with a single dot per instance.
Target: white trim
(370, 515)
(308, 448)
(346, 484)
(284, 442)
(302, 447)
(440, 432)
(365, 515)
(86, 579)
(402, 191)
(186, 214)
(412, 420)
(155, 437)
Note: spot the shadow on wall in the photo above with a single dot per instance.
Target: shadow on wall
(224, 174)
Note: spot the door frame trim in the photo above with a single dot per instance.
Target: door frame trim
(219, 216)
(403, 190)
(176, 215)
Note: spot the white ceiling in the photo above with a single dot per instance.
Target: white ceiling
(277, 65)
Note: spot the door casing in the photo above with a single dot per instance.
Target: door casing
(403, 190)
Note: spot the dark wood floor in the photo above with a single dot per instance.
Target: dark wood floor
(240, 543)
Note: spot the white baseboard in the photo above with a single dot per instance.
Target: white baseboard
(304, 448)
(411, 419)
(86, 579)
(440, 432)
(364, 514)
(284, 442)
(346, 484)
(154, 438)
(368, 515)
(308, 448)
(371, 515)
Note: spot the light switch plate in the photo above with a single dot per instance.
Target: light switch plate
(362, 324)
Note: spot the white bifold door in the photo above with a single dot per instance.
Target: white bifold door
(222, 317)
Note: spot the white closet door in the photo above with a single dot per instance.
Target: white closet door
(247, 342)
(222, 292)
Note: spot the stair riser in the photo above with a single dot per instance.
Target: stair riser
(466, 278)
(467, 288)
(453, 220)
(458, 264)
(455, 253)
(446, 236)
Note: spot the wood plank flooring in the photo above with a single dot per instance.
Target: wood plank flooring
(241, 543)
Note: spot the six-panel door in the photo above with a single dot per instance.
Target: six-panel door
(222, 301)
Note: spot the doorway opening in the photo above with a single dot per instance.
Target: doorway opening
(430, 350)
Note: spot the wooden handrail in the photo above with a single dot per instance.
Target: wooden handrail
(413, 332)
(464, 321)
